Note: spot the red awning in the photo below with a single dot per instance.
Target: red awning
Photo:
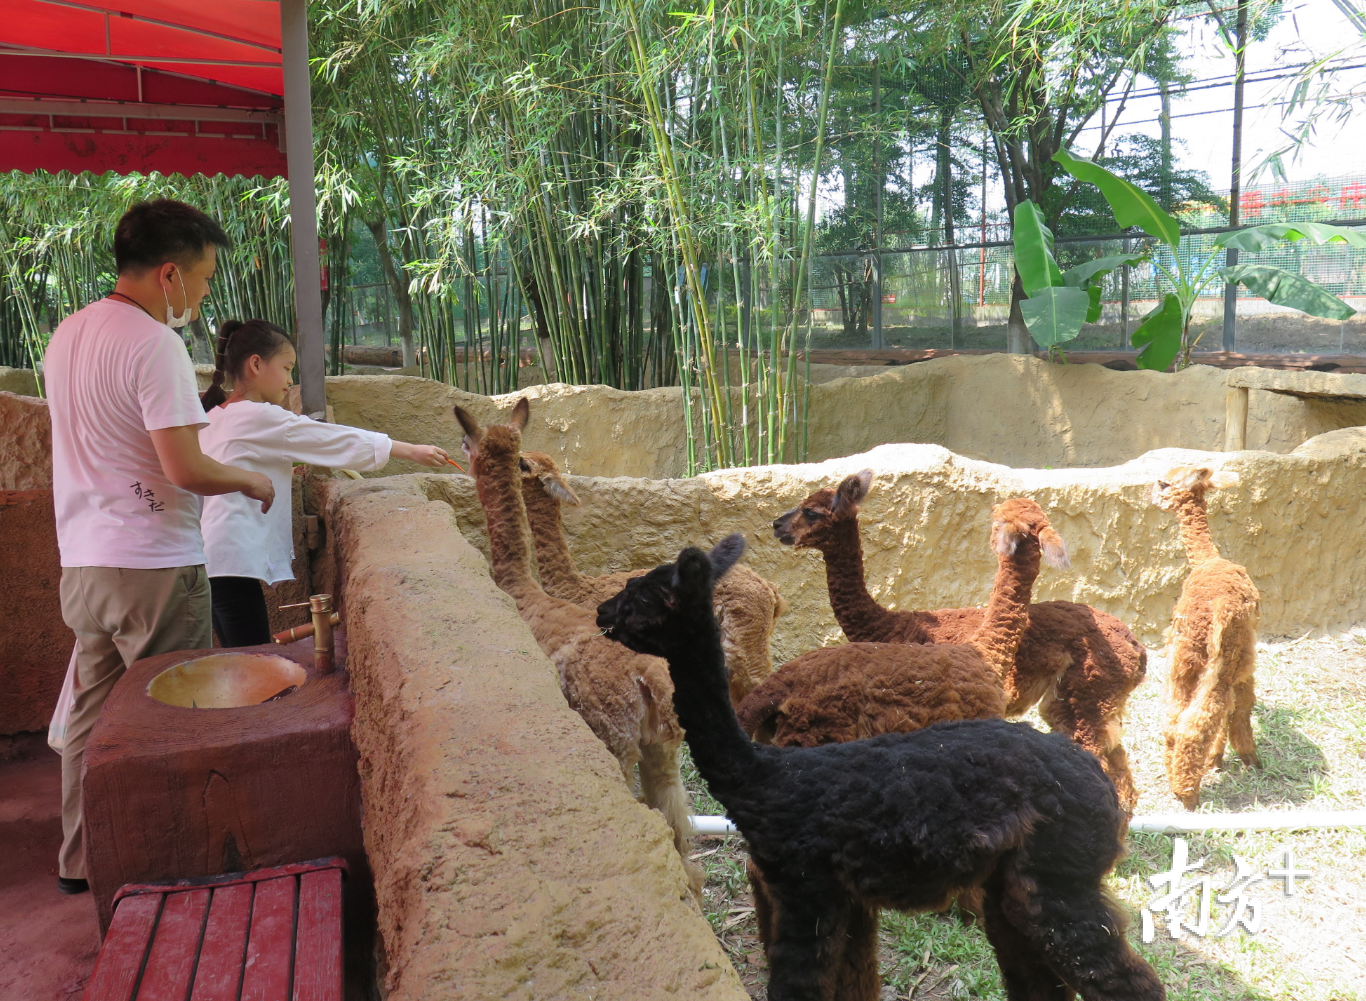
(175, 86)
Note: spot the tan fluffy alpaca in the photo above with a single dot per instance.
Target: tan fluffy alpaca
(1213, 642)
(1076, 662)
(745, 604)
(625, 698)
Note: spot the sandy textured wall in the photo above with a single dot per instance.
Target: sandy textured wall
(1295, 522)
(510, 860)
(1013, 409)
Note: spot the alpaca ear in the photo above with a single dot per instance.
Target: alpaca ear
(1005, 538)
(520, 413)
(1054, 549)
(692, 570)
(851, 491)
(472, 432)
(1223, 479)
(559, 489)
(471, 426)
(725, 554)
(1188, 479)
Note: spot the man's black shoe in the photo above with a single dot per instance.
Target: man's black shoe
(70, 886)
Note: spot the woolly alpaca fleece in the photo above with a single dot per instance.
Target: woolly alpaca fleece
(1210, 691)
(1080, 664)
(626, 699)
(900, 820)
(858, 690)
(746, 605)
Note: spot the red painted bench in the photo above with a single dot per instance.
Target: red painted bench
(268, 935)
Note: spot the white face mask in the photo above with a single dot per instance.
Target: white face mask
(172, 320)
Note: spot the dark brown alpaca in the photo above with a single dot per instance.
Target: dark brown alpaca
(1210, 691)
(746, 605)
(625, 698)
(1078, 663)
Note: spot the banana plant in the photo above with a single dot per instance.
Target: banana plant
(1054, 310)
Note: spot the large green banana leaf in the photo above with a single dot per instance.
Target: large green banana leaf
(1083, 274)
(1034, 250)
(1055, 314)
(1286, 289)
(1258, 238)
(1159, 335)
(1131, 205)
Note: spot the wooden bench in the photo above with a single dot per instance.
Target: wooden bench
(268, 935)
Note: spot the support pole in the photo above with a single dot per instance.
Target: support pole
(881, 183)
(1235, 419)
(303, 211)
(1235, 189)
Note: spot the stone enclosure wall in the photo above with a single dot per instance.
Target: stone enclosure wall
(1011, 409)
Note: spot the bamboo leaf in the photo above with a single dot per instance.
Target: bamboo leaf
(1055, 314)
(1131, 205)
(1286, 289)
(1258, 238)
(1034, 250)
(1159, 335)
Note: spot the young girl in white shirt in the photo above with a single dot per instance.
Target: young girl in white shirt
(251, 429)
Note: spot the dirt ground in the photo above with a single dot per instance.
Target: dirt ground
(1272, 333)
(1310, 722)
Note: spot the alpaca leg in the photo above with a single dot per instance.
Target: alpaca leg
(1197, 731)
(765, 907)
(1080, 934)
(810, 935)
(1240, 723)
(1098, 729)
(1023, 972)
(662, 786)
(857, 977)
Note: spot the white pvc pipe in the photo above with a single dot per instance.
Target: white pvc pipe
(1193, 823)
(1173, 823)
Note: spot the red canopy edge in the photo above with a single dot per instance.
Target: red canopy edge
(173, 86)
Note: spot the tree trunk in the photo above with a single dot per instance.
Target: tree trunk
(1018, 341)
(399, 285)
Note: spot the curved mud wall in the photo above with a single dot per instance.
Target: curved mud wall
(510, 859)
(1012, 409)
(1294, 521)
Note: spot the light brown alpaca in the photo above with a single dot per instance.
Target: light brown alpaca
(1213, 637)
(745, 604)
(625, 698)
(1078, 663)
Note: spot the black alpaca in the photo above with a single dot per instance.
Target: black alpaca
(905, 821)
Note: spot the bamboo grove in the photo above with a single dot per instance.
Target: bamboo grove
(625, 190)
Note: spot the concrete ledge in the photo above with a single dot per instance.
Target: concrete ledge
(1306, 385)
(510, 860)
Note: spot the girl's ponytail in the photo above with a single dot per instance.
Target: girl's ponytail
(253, 337)
(215, 394)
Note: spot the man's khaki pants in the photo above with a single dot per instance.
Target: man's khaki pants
(119, 616)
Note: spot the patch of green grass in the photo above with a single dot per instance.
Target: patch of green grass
(1310, 723)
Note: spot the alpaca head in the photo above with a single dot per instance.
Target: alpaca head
(1189, 483)
(651, 609)
(1018, 522)
(811, 524)
(540, 467)
(497, 444)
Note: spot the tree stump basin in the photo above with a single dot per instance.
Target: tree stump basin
(206, 762)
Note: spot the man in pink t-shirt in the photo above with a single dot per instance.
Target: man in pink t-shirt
(127, 474)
